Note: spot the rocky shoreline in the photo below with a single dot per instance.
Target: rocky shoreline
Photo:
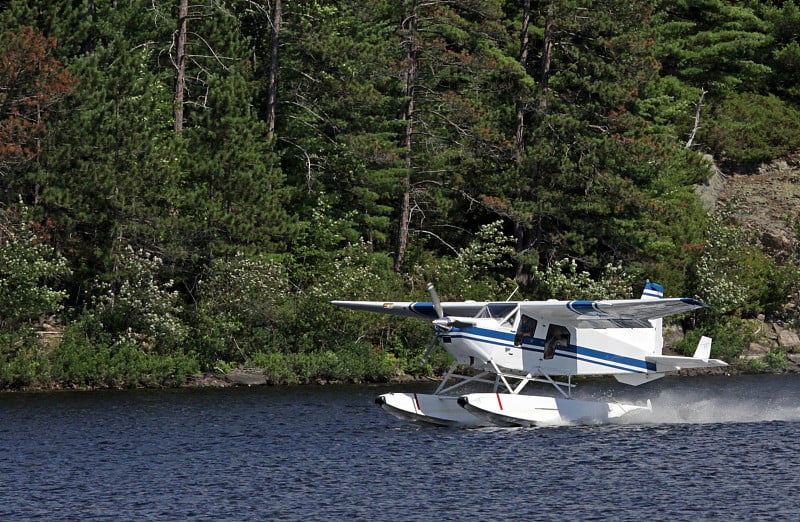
(254, 377)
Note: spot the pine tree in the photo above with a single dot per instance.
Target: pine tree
(233, 193)
(721, 46)
(33, 82)
(111, 176)
(334, 104)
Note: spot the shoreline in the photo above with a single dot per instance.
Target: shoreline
(249, 377)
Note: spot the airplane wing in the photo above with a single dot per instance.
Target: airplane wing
(419, 310)
(620, 313)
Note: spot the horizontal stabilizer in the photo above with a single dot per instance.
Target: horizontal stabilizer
(637, 379)
(667, 363)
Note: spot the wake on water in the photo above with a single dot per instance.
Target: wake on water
(687, 407)
(726, 400)
(708, 400)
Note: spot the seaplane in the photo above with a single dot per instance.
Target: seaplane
(510, 344)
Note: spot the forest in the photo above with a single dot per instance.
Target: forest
(186, 184)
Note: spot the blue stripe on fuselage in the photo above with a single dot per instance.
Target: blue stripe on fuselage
(579, 353)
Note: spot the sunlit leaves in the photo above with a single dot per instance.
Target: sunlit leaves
(28, 270)
(136, 306)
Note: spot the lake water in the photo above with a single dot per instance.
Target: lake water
(716, 448)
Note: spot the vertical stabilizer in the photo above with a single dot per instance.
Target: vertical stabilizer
(655, 291)
(652, 291)
(703, 350)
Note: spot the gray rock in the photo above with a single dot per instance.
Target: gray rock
(246, 377)
(788, 339)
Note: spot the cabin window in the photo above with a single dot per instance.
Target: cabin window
(527, 327)
(499, 311)
(557, 336)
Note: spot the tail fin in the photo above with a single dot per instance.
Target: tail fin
(652, 291)
(655, 291)
(703, 350)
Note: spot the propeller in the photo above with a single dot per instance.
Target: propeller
(441, 323)
(437, 305)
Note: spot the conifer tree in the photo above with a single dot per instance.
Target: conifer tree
(233, 197)
(32, 83)
(112, 175)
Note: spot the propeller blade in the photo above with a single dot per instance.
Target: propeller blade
(429, 349)
(437, 305)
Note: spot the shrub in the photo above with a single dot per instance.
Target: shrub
(28, 266)
(731, 336)
(735, 276)
(747, 129)
(22, 363)
(357, 363)
(82, 362)
(135, 307)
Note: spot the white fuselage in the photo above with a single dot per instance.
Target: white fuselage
(552, 349)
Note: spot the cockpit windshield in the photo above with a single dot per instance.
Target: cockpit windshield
(499, 311)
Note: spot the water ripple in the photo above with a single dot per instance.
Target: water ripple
(714, 448)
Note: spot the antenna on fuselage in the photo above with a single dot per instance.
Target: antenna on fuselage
(512, 294)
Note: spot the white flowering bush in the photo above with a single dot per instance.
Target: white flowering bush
(718, 270)
(28, 269)
(246, 288)
(562, 280)
(734, 276)
(352, 274)
(478, 271)
(135, 307)
(244, 303)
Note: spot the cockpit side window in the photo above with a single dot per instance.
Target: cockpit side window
(500, 311)
(525, 331)
(557, 336)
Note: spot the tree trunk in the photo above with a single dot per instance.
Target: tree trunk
(547, 50)
(180, 64)
(410, 77)
(519, 225)
(524, 38)
(272, 90)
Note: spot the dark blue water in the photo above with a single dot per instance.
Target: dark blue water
(716, 448)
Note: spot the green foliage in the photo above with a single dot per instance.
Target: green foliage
(747, 129)
(21, 360)
(29, 267)
(84, 362)
(773, 361)
(356, 363)
(135, 308)
(731, 336)
(735, 277)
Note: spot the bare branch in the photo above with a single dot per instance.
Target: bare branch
(442, 241)
(696, 126)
